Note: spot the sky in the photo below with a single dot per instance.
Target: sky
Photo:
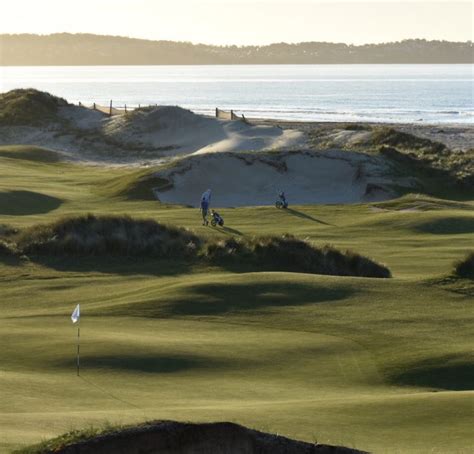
(243, 22)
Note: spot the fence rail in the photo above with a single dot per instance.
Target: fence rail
(112, 110)
(229, 115)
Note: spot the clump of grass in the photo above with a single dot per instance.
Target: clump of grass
(28, 107)
(7, 249)
(465, 267)
(69, 438)
(287, 253)
(7, 230)
(107, 236)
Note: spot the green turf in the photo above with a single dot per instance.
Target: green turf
(378, 364)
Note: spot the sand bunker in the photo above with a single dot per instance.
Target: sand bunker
(241, 179)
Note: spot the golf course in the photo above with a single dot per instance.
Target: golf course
(344, 319)
(382, 364)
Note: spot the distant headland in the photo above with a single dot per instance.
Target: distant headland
(88, 49)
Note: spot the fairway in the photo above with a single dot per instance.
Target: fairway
(383, 365)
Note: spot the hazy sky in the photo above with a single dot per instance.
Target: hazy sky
(244, 21)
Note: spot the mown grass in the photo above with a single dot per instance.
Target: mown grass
(378, 364)
(139, 185)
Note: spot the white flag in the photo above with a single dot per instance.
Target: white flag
(76, 315)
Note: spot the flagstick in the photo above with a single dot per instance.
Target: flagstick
(78, 346)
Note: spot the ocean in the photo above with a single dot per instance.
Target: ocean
(379, 93)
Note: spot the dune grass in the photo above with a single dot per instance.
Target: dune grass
(124, 236)
(28, 107)
(383, 365)
(437, 167)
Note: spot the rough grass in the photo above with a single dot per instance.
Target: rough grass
(108, 235)
(73, 436)
(433, 162)
(6, 249)
(179, 437)
(465, 267)
(28, 107)
(124, 236)
(7, 230)
(287, 253)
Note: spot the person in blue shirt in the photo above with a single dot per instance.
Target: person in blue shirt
(205, 203)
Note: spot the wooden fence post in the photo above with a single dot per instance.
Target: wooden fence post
(110, 109)
(125, 108)
(94, 107)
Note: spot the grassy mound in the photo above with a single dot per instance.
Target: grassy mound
(108, 235)
(433, 162)
(123, 236)
(465, 267)
(405, 141)
(287, 253)
(139, 185)
(28, 107)
(29, 153)
(179, 437)
(421, 202)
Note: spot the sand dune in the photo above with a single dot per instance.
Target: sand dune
(186, 132)
(149, 134)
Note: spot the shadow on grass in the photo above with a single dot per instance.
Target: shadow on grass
(145, 363)
(23, 203)
(447, 373)
(229, 231)
(217, 299)
(126, 266)
(448, 225)
(10, 260)
(302, 215)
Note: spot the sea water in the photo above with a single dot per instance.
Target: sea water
(381, 93)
